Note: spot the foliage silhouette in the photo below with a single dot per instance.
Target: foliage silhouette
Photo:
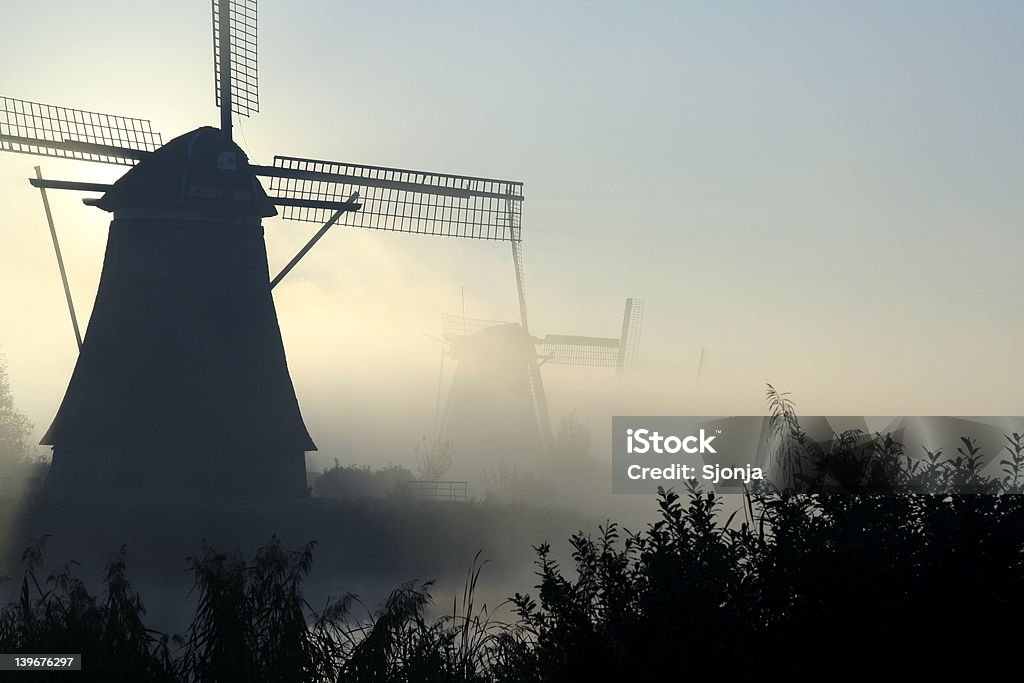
(15, 426)
(919, 574)
(353, 481)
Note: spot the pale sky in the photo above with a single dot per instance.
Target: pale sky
(825, 196)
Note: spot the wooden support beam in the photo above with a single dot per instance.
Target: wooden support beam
(76, 146)
(363, 181)
(47, 184)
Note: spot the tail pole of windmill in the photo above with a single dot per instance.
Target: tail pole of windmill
(60, 260)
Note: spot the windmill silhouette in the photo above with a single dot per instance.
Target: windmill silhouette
(181, 386)
(497, 401)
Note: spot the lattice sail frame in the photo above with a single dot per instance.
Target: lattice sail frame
(622, 353)
(402, 200)
(632, 322)
(560, 349)
(460, 326)
(566, 349)
(245, 91)
(49, 130)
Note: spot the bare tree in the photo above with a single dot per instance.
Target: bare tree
(572, 440)
(435, 458)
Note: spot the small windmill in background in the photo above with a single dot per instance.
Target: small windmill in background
(497, 389)
(183, 361)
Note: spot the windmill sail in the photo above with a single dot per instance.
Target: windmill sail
(49, 130)
(401, 200)
(460, 326)
(234, 55)
(571, 349)
(632, 322)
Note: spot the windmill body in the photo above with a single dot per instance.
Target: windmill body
(497, 405)
(182, 386)
(491, 411)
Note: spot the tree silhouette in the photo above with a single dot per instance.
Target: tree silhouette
(15, 426)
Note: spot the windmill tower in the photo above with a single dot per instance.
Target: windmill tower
(182, 387)
(497, 403)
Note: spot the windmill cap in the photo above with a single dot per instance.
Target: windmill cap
(199, 171)
(504, 340)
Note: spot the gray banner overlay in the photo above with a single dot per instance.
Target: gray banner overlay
(805, 453)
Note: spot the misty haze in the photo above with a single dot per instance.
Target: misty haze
(315, 379)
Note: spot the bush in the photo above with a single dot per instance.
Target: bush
(351, 481)
(512, 484)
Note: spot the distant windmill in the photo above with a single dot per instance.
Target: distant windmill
(497, 391)
(182, 386)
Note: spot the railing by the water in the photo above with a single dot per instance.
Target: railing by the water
(436, 490)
